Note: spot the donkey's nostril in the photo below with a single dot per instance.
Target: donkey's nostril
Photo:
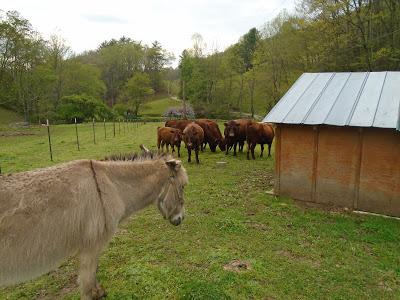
(177, 221)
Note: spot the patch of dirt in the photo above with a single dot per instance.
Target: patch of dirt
(256, 225)
(324, 207)
(237, 266)
(15, 133)
(293, 256)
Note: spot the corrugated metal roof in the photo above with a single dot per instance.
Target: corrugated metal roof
(365, 99)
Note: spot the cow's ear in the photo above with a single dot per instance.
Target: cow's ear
(172, 131)
(226, 124)
(174, 164)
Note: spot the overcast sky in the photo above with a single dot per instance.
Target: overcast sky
(86, 23)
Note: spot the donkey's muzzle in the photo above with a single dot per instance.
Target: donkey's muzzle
(177, 221)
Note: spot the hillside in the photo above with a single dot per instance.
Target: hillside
(156, 108)
(8, 116)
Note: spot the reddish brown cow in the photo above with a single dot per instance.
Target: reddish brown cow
(179, 124)
(212, 134)
(259, 133)
(193, 136)
(169, 136)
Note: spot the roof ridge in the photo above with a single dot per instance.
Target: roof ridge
(319, 96)
(337, 97)
(357, 100)
(301, 96)
(276, 105)
(379, 100)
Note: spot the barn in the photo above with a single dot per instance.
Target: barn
(338, 141)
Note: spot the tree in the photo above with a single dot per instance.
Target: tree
(136, 90)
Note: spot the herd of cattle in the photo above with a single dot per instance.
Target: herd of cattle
(196, 134)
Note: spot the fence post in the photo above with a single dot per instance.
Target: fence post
(77, 138)
(105, 130)
(94, 133)
(124, 123)
(114, 126)
(48, 134)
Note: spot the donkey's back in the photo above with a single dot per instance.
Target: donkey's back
(45, 215)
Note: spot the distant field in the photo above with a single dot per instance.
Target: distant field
(156, 108)
(290, 252)
(8, 116)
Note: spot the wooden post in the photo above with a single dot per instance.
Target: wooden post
(48, 134)
(94, 133)
(315, 165)
(105, 130)
(77, 137)
(114, 126)
(359, 152)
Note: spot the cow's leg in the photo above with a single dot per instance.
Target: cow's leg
(179, 150)
(234, 149)
(189, 153)
(173, 148)
(241, 146)
(227, 149)
(90, 288)
(162, 146)
(158, 144)
(253, 146)
(262, 150)
(269, 149)
(248, 150)
(196, 150)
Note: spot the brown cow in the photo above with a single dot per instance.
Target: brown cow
(235, 134)
(169, 136)
(193, 136)
(243, 123)
(231, 133)
(212, 134)
(179, 124)
(259, 133)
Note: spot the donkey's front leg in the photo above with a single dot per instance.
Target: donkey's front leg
(90, 288)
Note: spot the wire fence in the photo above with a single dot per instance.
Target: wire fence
(49, 143)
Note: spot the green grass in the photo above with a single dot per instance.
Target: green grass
(293, 252)
(156, 108)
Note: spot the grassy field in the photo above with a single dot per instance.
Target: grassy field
(291, 252)
(156, 108)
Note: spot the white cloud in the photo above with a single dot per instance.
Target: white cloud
(85, 24)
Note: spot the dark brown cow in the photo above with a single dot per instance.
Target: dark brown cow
(259, 133)
(193, 136)
(243, 123)
(231, 133)
(235, 134)
(169, 136)
(212, 134)
(179, 124)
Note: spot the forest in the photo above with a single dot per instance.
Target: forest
(44, 79)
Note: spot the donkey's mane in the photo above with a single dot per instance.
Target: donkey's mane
(136, 157)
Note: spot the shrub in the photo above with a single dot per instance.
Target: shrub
(177, 112)
(82, 107)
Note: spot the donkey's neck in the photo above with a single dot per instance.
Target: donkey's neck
(138, 184)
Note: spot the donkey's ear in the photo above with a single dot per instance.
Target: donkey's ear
(174, 164)
(144, 149)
